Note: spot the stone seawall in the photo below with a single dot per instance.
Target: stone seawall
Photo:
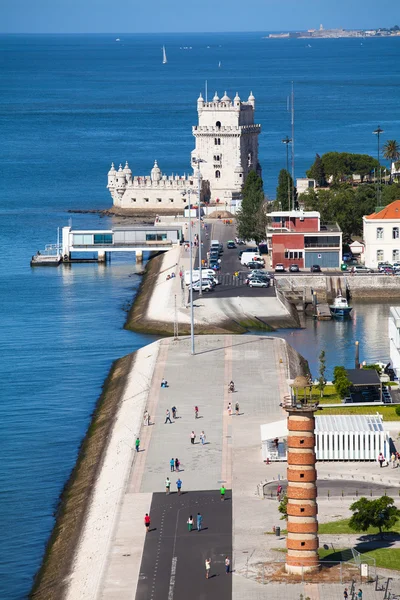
(363, 287)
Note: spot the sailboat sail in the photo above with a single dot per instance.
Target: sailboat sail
(164, 56)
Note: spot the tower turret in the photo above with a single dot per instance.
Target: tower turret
(155, 172)
(225, 98)
(121, 181)
(236, 101)
(128, 172)
(216, 97)
(112, 176)
(251, 100)
(200, 102)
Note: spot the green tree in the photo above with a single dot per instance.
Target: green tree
(317, 171)
(252, 218)
(284, 190)
(341, 382)
(283, 507)
(322, 369)
(380, 513)
(390, 193)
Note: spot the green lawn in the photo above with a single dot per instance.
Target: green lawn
(387, 558)
(330, 395)
(388, 413)
(342, 526)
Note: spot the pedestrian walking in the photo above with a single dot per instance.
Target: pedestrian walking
(173, 412)
(168, 417)
(147, 523)
(196, 412)
(199, 521)
(393, 460)
(359, 595)
(192, 437)
(222, 492)
(179, 486)
(237, 408)
(203, 438)
(137, 444)
(230, 409)
(167, 485)
(381, 459)
(172, 465)
(227, 565)
(177, 463)
(345, 594)
(190, 523)
(208, 567)
(146, 418)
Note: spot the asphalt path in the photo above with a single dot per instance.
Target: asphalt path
(341, 487)
(173, 561)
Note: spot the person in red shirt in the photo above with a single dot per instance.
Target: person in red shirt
(147, 523)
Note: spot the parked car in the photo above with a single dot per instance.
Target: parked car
(231, 245)
(383, 265)
(388, 271)
(360, 269)
(214, 265)
(279, 268)
(258, 283)
(294, 268)
(315, 269)
(205, 287)
(255, 265)
(257, 275)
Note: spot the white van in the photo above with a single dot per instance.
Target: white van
(205, 274)
(214, 244)
(249, 257)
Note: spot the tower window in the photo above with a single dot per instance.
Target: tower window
(217, 141)
(217, 174)
(218, 124)
(301, 475)
(302, 510)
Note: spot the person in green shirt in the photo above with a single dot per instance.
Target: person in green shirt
(137, 444)
(222, 491)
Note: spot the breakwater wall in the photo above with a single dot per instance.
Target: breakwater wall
(360, 287)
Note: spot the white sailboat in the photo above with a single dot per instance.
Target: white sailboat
(164, 56)
(219, 65)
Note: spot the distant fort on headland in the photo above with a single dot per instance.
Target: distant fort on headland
(322, 33)
(226, 150)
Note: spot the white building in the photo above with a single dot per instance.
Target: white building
(305, 184)
(382, 235)
(337, 437)
(226, 143)
(394, 338)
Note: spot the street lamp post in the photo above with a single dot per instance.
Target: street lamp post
(198, 161)
(378, 131)
(191, 273)
(287, 141)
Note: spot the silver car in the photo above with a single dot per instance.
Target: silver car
(258, 283)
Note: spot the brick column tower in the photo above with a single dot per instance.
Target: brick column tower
(302, 524)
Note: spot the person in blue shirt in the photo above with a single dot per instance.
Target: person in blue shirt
(199, 521)
(179, 485)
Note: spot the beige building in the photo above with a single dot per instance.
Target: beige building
(226, 145)
(382, 236)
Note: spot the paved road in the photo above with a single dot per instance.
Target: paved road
(173, 562)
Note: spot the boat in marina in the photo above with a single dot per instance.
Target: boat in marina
(340, 307)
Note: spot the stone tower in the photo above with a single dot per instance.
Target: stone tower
(227, 140)
(302, 509)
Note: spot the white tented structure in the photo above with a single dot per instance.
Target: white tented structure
(337, 437)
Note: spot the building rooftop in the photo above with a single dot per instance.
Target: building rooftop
(355, 423)
(363, 376)
(324, 228)
(391, 211)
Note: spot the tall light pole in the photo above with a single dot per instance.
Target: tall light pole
(287, 141)
(191, 273)
(378, 131)
(198, 161)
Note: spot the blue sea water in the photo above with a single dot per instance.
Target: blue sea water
(69, 105)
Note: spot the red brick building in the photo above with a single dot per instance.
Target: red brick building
(298, 237)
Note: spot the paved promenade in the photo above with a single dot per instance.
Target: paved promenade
(116, 558)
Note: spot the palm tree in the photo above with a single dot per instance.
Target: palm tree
(391, 151)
